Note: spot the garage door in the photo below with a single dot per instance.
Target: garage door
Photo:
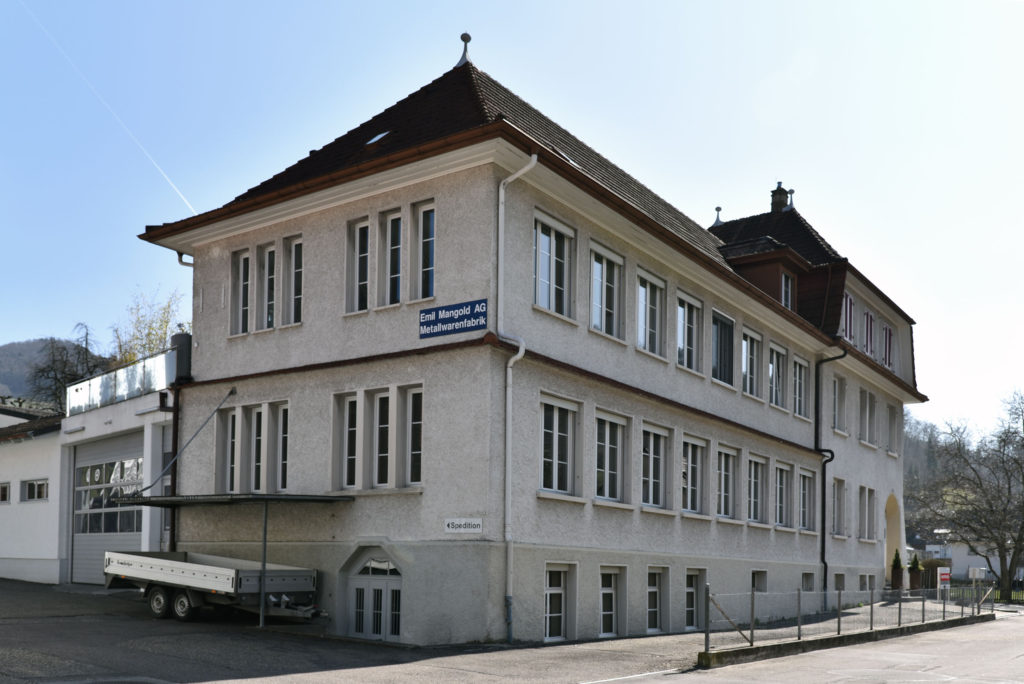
(103, 470)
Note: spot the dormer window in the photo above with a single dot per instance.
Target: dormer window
(786, 291)
(847, 329)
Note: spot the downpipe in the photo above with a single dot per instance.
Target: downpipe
(829, 457)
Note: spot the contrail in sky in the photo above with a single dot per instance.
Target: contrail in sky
(107, 105)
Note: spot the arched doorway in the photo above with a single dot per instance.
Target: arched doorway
(893, 534)
(375, 600)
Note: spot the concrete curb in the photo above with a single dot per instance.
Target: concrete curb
(746, 654)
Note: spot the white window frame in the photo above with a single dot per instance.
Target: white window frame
(609, 594)
(757, 489)
(5, 492)
(426, 250)
(866, 513)
(654, 456)
(566, 485)
(610, 477)
(783, 495)
(786, 290)
(414, 436)
(777, 375)
(257, 449)
(266, 295)
(888, 335)
(801, 370)
(546, 294)
(689, 319)
(358, 264)
(230, 451)
(241, 291)
(849, 307)
(726, 478)
(350, 441)
(656, 606)
(868, 343)
(723, 348)
(560, 572)
(839, 404)
(391, 227)
(750, 364)
(650, 311)
(839, 523)
(281, 447)
(37, 489)
(293, 270)
(805, 497)
(893, 431)
(382, 466)
(692, 611)
(868, 430)
(606, 268)
(694, 465)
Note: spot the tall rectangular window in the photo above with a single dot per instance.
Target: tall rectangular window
(726, 483)
(777, 376)
(650, 297)
(555, 604)
(293, 281)
(721, 348)
(655, 581)
(783, 496)
(415, 436)
(282, 448)
(381, 439)
(806, 501)
(267, 283)
(688, 329)
(756, 490)
(240, 292)
(848, 319)
(694, 587)
(609, 601)
(557, 447)
(786, 291)
(391, 259)
(358, 295)
(653, 481)
(893, 431)
(800, 388)
(839, 507)
(349, 441)
(552, 266)
(868, 429)
(751, 363)
(5, 492)
(868, 343)
(256, 451)
(427, 251)
(610, 434)
(866, 513)
(692, 476)
(231, 453)
(839, 403)
(605, 286)
(888, 360)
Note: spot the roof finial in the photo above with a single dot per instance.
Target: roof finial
(790, 205)
(465, 48)
(718, 217)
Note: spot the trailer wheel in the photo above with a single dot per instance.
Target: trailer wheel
(183, 607)
(159, 602)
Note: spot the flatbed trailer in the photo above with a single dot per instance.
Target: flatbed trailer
(180, 583)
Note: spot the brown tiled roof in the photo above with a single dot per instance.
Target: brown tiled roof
(30, 428)
(787, 227)
(461, 100)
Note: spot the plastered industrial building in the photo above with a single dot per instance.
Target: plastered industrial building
(492, 387)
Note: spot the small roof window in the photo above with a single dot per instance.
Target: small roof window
(377, 137)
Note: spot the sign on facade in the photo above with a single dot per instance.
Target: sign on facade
(943, 574)
(463, 525)
(453, 319)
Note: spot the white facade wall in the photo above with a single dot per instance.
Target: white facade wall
(30, 547)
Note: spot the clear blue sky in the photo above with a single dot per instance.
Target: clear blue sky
(899, 124)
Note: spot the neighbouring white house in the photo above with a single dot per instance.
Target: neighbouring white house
(492, 387)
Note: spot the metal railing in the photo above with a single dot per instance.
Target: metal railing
(146, 375)
(735, 620)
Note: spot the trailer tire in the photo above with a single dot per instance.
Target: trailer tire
(159, 602)
(182, 606)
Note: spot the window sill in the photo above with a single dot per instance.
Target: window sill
(556, 315)
(33, 501)
(693, 515)
(353, 314)
(422, 300)
(415, 490)
(892, 454)
(806, 419)
(785, 528)
(756, 524)
(263, 331)
(238, 336)
(656, 510)
(691, 371)
(605, 336)
(287, 326)
(657, 357)
(840, 433)
(780, 408)
(839, 537)
(869, 445)
(386, 307)
(608, 503)
(809, 533)
(862, 540)
(756, 398)
(730, 521)
(558, 496)
(722, 384)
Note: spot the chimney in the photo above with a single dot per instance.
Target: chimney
(779, 199)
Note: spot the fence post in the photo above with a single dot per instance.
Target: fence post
(799, 615)
(944, 592)
(960, 598)
(871, 609)
(751, 616)
(924, 596)
(839, 611)
(899, 608)
(707, 618)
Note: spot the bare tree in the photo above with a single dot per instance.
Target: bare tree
(148, 328)
(63, 363)
(978, 493)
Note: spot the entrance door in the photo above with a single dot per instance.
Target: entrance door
(376, 602)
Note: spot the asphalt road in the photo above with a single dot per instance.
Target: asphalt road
(85, 634)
